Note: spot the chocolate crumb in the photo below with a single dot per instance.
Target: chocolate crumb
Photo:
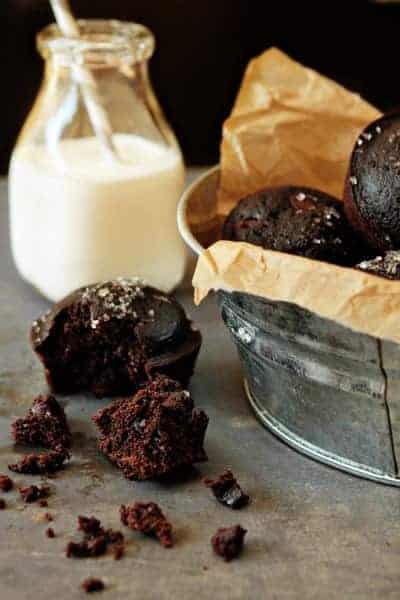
(50, 532)
(48, 516)
(6, 483)
(89, 525)
(92, 585)
(148, 518)
(3, 504)
(44, 425)
(228, 542)
(119, 552)
(43, 504)
(227, 490)
(95, 540)
(41, 464)
(86, 548)
(32, 493)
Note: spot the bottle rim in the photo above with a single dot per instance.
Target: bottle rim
(100, 41)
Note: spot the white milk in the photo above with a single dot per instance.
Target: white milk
(78, 219)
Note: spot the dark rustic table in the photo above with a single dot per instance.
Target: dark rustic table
(313, 532)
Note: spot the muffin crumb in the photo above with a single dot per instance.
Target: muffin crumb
(32, 493)
(44, 425)
(92, 585)
(148, 518)
(6, 483)
(41, 464)
(228, 542)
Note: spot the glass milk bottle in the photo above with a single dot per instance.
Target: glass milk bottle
(78, 212)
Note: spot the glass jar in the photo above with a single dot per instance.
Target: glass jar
(78, 212)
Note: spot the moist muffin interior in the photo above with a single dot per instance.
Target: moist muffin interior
(110, 337)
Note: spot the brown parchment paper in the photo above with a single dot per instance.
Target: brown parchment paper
(363, 302)
(291, 125)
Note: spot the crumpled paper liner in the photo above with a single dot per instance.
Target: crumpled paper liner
(291, 125)
(363, 302)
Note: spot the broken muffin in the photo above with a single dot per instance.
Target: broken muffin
(156, 432)
(111, 337)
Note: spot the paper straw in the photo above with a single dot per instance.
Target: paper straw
(87, 83)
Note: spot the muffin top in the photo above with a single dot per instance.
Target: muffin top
(372, 191)
(296, 220)
(155, 316)
(110, 337)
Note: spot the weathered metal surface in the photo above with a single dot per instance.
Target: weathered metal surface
(313, 532)
(318, 385)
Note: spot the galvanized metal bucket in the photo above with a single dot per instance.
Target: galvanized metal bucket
(331, 393)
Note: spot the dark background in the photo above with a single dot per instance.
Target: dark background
(203, 47)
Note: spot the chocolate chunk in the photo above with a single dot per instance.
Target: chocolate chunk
(50, 532)
(48, 516)
(227, 490)
(40, 464)
(3, 504)
(44, 425)
(148, 518)
(111, 337)
(6, 483)
(228, 542)
(92, 585)
(32, 493)
(296, 220)
(155, 432)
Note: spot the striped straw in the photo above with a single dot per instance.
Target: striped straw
(87, 83)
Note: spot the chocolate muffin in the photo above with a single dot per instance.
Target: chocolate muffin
(154, 433)
(387, 266)
(372, 190)
(296, 220)
(110, 337)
